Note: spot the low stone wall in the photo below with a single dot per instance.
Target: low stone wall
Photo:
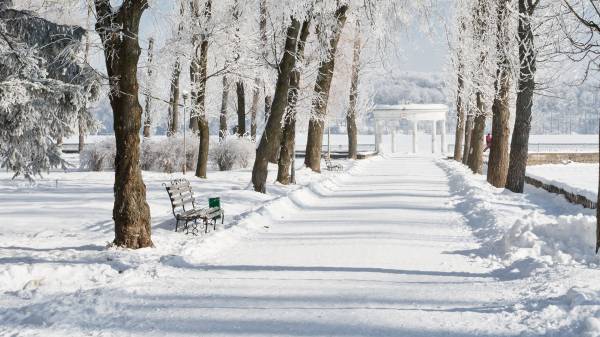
(558, 158)
(571, 197)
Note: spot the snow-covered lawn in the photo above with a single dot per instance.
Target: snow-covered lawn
(395, 246)
(578, 178)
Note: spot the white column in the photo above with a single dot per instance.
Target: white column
(393, 140)
(433, 134)
(444, 145)
(376, 136)
(414, 137)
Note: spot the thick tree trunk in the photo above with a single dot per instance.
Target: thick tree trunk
(271, 137)
(174, 100)
(468, 132)
(460, 118)
(198, 75)
(254, 109)
(223, 115)
(477, 142)
(352, 106)
(148, 108)
(319, 109)
(598, 210)
(519, 146)
(268, 104)
(498, 160)
(241, 109)
(288, 140)
(122, 51)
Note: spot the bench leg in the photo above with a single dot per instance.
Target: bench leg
(206, 225)
(176, 224)
(222, 217)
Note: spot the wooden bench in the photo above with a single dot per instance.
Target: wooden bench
(331, 166)
(185, 209)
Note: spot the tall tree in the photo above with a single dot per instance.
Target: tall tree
(460, 92)
(288, 139)
(254, 108)
(519, 146)
(498, 160)
(118, 28)
(223, 115)
(321, 91)
(198, 77)
(468, 132)
(353, 101)
(148, 93)
(241, 109)
(173, 121)
(271, 137)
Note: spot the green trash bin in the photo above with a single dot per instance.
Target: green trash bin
(214, 202)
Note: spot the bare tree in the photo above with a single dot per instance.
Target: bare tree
(223, 114)
(323, 84)
(148, 94)
(118, 28)
(519, 146)
(498, 160)
(288, 139)
(271, 137)
(174, 88)
(353, 100)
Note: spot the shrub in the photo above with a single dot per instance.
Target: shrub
(98, 156)
(232, 152)
(166, 154)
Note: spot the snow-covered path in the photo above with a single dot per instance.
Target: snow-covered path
(377, 251)
(375, 254)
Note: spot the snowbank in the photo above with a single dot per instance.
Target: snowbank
(577, 178)
(513, 226)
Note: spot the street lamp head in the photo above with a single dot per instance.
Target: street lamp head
(184, 94)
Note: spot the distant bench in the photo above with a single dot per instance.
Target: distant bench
(185, 210)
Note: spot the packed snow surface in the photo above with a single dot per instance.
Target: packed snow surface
(578, 178)
(393, 246)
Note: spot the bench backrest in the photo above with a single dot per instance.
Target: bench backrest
(181, 195)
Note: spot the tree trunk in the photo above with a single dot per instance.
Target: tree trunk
(80, 124)
(122, 51)
(268, 104)
(288, 140)
(319, 109)
(598, 210)
(254, 109)
(460, 118)
(223, 114)
(241, 109)
(198, 75)
(476, 151)
(498, 160)
(271, 137)
(174, 100)
(352, 106)
(519, 146)
(468, 132)
(147, 110)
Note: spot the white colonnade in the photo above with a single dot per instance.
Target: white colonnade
(415, 113)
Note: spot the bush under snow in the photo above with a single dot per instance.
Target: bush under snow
(232, 152)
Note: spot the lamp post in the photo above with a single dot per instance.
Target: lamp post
(185, 96)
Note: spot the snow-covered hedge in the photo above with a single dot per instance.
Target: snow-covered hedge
(98, 156)
(232, 152)
(166, 154)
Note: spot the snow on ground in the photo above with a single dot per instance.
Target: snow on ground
(395, 246)
(578, 178)
(541, 237)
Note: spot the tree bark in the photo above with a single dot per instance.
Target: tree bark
(271, 137)
(460, 118)
(353, 102)
(476, 151)
(174, 100)
(519, 146)
(147, 110)
(319, 109)
(468, 132)
(598, 209)
(498, 160)
(122, 51)
(241, 109)
(223, 115)
(198, 75)
(288, 140)
(80, 123)
(254, 109)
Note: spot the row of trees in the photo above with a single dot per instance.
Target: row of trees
(274, 48)
(498, 48)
